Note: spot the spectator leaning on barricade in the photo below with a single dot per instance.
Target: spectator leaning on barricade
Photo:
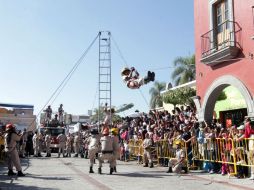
(249, 133)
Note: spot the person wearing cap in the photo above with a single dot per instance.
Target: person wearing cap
(176, 164)
(239, 150)
(68, 145)
(36, 144)
(147, 145)
(48, 113)
(47, 142)
(60, 113)
(23, 145)
(55, 122)
(62, 142)
(249, 133)
(133, 80)
(11, 138)
(76, 144)
(116, 147)
(108, 112)
(93, 147)
(107, 150)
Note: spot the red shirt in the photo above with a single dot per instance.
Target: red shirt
(248, 131)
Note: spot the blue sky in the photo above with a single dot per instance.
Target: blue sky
(41, 40)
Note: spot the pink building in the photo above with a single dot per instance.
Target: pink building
(224, 49)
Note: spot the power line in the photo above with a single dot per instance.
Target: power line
(66, 79)
(126, 64)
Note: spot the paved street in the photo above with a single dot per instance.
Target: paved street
(72, 173)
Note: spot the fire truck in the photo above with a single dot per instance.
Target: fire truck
(54, 129)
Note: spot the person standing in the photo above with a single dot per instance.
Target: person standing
(47, 142)
(62, 141)
(48, 114)
(60, 114)
(76, 144)
(68, 145)
(23, 146)
(107, 150)
(116, 147)
(147, 145)
(11, 137)
(36, 144)
(93, 147)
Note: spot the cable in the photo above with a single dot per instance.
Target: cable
(126, 64)
(67, 78)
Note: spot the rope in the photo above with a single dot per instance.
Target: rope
(126, 64)
(66, 79)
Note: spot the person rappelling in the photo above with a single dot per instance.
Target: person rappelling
(133, 80)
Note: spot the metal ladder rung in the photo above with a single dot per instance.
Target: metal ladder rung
(104, 52)
(105, 74)
(104, 90)
(104, 59)
(105, 98)
(104, 82)
(103, 67)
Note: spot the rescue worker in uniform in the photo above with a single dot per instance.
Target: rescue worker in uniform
(23, 146)
(116, 147)
(107, 150)
(177, 164)
(147, 158)
(68, 145)
(76, 144)
(62, 141)
(47, 142)
(60, 113)
(36, 144)
(11, 137)
(93, 147)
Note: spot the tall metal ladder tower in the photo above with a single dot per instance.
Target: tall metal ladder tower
(104, 72)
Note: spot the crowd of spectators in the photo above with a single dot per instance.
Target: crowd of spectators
(183, 125)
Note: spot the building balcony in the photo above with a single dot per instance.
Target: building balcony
(221, 44)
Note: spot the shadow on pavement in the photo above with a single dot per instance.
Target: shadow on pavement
(8, 186)
(136, 174)
(46, 177)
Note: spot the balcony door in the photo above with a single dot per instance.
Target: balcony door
(222, 24)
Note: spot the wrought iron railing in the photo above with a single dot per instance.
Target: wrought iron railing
(224, 35)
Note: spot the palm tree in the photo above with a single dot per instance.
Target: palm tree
(185, 70)
(156, 98)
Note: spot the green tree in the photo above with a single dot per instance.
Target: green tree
(180, 96)
(156, 98)
(95, 116)
(185, 70)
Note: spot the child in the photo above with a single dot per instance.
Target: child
(126, 151)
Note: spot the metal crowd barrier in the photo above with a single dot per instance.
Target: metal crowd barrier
(218, 150)
(136, 149)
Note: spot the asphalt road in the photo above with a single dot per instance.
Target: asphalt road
(72, 173)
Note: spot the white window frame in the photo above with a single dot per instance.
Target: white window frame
(212, 17)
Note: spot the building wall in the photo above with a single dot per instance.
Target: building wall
(20, 117)
(241, 69)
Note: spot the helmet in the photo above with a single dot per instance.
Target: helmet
(94, 131)
(179, 142)
(126, 69)
(114, 131)
(9, 127)
(105, 131)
